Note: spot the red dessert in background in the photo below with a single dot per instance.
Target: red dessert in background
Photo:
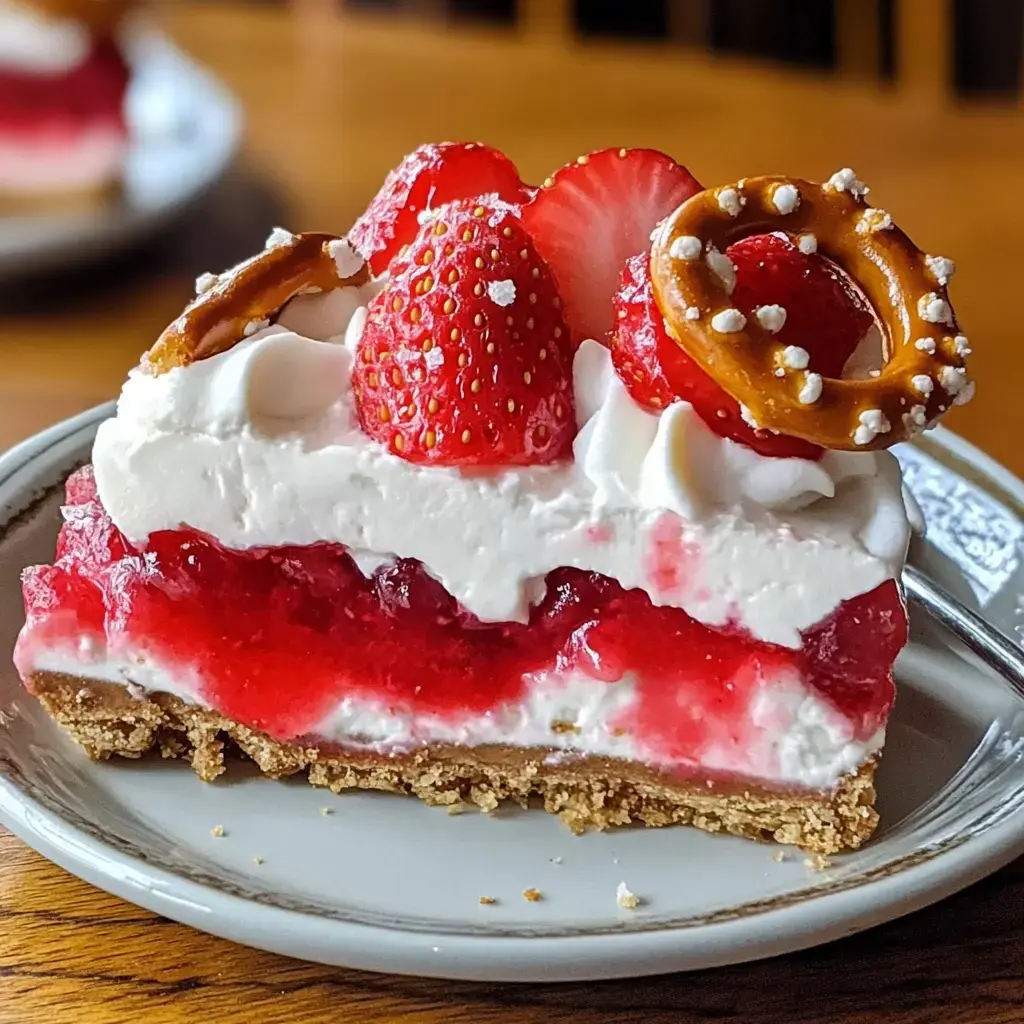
(63, 84)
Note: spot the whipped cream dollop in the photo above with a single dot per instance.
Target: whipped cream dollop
(261, 446)
(32, 42)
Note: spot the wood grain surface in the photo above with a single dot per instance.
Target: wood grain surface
(332, 104)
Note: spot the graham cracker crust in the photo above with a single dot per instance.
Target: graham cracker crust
(26, 203)
(585, 792)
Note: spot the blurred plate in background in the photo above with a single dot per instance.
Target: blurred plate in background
(185, 130)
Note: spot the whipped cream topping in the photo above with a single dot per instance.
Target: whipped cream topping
(31, 42)
(787, 733)
(260, 446)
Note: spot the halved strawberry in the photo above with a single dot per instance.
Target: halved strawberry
(595, 213)
(465, 358)
(640, 344)
(657, 372)
(824, 315)
(427, 178)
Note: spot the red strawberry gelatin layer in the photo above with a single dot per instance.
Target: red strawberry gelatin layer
(280, 635)
(91, 93)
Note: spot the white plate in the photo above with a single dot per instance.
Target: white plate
(388, 884)
(185, 130)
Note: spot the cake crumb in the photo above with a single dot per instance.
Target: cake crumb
(325, 811)
(817, 862)
(217, 831)
(459, 808)
(556, 860)
(257, 861)
(486, 901)
(626, 899)
(779, 856)
(532, 895)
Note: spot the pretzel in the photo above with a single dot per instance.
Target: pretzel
(924, 373)
(245, 299)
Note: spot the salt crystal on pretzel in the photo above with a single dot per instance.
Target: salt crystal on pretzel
(906, 288)
(247, 298)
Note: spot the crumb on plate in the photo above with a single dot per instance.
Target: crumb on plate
(532, 895)
(626, 899)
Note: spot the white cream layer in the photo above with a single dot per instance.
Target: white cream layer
(789, 735)
(34, 43)
(260, 446)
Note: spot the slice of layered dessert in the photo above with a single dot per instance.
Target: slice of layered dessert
(63, 82)
(498, 498)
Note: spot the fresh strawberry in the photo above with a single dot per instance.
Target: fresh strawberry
(594, 214)
(640, 344)
(427, 178)
(823, 313)
(81, 486)
(465, 358)
(657, 372)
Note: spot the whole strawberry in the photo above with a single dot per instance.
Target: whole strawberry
(465, 358)
(428, 177)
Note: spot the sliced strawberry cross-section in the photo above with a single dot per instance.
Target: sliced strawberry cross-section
(427, 178)
(640, 345)
(465, 358)
(592, 215)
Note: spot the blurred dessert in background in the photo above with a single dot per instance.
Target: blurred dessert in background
(63, 80)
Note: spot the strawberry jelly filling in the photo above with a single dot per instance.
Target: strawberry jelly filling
(280, 635)
(61, 104)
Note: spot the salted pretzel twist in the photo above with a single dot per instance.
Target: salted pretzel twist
(924, 371)
(246, 298)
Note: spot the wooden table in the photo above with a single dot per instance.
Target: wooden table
(332, 105)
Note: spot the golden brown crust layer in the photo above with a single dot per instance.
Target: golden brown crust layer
(78, 200)
(586, 792)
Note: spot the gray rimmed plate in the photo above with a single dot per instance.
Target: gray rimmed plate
(385, 883)
(185, 131)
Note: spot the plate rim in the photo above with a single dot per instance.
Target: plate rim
(499, 958)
